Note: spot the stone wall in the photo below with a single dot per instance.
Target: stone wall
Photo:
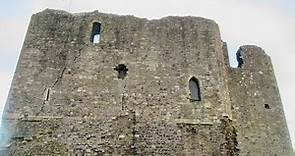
(258, 111)
(66, 96)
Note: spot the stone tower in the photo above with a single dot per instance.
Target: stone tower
(103, 84)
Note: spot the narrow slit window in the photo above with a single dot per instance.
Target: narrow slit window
(194, 89)
(95, 33)
(47, 94)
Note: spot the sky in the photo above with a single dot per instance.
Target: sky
(269, 24)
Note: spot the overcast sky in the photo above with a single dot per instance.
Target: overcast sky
(269, 24)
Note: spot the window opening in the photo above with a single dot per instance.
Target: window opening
(122, 70)
(266, 106)
(194, 89)
(47, 94)
(95, 33)
(240, 58)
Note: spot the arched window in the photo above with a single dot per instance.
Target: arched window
(194, 89)
(95, 33)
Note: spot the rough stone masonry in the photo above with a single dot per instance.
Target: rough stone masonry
(103, 84)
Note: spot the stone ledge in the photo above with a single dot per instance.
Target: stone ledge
(193, 122)
(31, 118)
(39, 118)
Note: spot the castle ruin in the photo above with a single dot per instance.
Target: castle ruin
(103, 84)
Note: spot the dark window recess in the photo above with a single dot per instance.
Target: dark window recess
(95, 33)
(239, 59)
(194, 89)
(122, 70)
(266, 106)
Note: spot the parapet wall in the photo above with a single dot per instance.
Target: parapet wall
(257, 108)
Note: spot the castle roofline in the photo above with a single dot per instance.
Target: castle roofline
(253, 48)
(96, 12)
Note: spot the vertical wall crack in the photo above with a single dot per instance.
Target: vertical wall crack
(123, 98)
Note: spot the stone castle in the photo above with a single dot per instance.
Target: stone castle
(103, 84)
